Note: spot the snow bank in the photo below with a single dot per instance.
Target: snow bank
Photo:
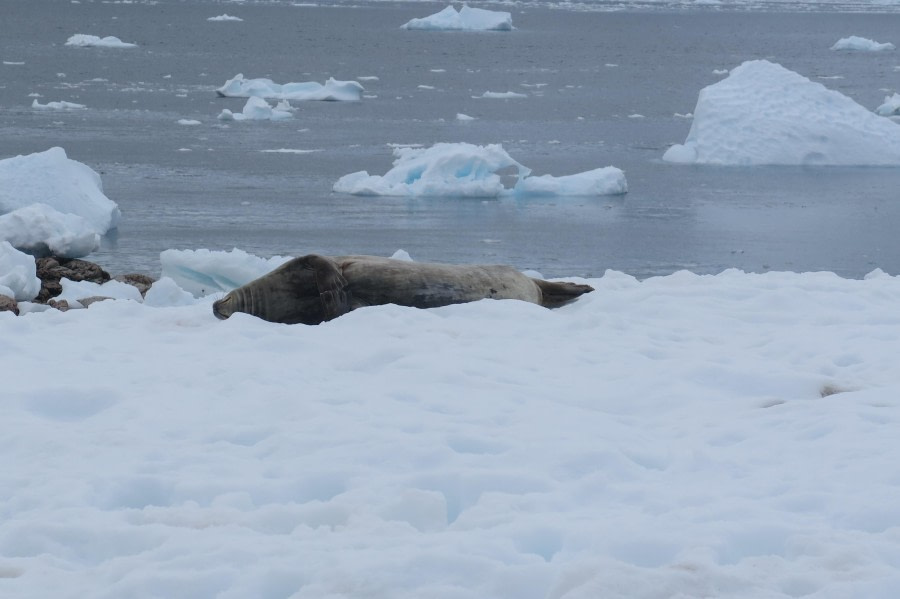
(18, 274)
(57, 106)
(763, 113)
(73, 291)
(257, 109)
(466, 19)
(467, 170)
(861, 44)
(203, 272)
(890, 107)
(333, 90)
(674, 437)
(46, 198)
(225, 17)
(91, 41)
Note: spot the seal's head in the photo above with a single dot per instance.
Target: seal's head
(224, 307)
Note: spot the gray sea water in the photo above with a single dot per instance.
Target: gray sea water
(586, 74)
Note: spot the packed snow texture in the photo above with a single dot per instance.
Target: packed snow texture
(56, 106)
(202, 272)
(763, 113)
(18, 274)
(890, 107)
(225, 17)
(332, 90)
(467, 170)
(42, 230)
(465, 19)
(726, 436)
(50, 201)
(92, 41)
(257, 109)
(861, 44)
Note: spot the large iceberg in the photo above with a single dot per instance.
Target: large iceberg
(18, 274)
(257, 109)
(204, 272)
(333, 90)
(467, 170)
(861, 44)
(91, 41)
(763, 113)
(48, 201)
(466, 19)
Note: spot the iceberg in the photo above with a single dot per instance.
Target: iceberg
(92, 41)
(225, 17)
(891, 106)
(466, 19)
(467, 170)
(257, 109)
(765, 114)
(49, 202)
(861, 44)
(18, 274)
(333, 90)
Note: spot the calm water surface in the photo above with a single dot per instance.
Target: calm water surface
(587, 76)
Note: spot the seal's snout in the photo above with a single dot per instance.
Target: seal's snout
(222, 308)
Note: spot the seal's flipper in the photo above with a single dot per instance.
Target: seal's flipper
(556, 293)
(331, 285)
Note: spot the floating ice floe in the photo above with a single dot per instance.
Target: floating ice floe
(891, 106)
(765, 114)
(203, 272)
(466, 19)
(464, 117)
(501, 95)
(225, 17)
(18, 274)
(333, 90)
(92, 41)
(861, 44)
(57, 106)
(257, 109)
(467, 170)
(51, 203)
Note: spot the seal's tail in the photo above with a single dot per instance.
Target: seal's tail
(556, 294)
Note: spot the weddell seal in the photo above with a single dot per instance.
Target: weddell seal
(312, 289)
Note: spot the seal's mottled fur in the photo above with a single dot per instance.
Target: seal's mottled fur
(313, 288)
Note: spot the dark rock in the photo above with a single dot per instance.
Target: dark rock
(8, 304)
(87, 301)
(53, 268)
(142, 282)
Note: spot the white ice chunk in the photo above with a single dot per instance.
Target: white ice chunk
(72, 291)
(332, 90)
(166, 293)
(466, 19)
(91, 41)
(51, 178)
(601, 181)
(18, 274)
(41, 230)
(467, 170)
(57, 106)
(861, 44)
(257, 109)
(202, 272)
(763, 113)
(890, 107)
(225, 17)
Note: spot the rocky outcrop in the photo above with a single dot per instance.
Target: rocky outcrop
(53, 268)
(142, 282)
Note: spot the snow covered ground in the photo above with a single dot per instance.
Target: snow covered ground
(684, 436)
